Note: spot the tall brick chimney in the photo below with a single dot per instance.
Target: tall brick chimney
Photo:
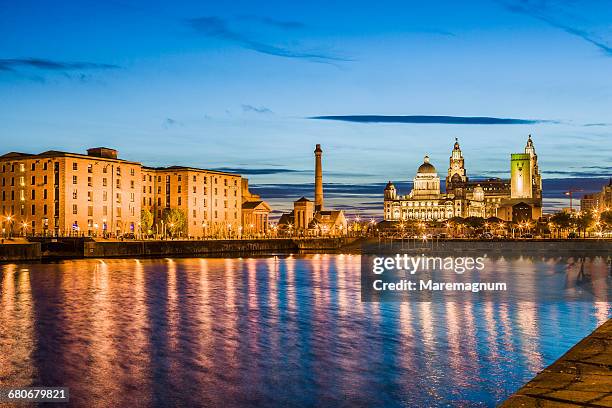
(318, 179)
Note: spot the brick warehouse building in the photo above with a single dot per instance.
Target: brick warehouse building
(60, 193)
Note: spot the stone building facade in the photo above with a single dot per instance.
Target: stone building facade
(63, 193)
(519, 197)
(98, 194)
(211, 200)
(600, 201)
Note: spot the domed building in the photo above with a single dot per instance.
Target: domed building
(485, 198)
(425, 202)
(426, 182)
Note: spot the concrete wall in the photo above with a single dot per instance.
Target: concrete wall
(522, 246)
(194, 248)
(323, 243)
(582, 377)
(20, 252)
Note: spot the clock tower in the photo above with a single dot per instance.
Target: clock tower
(456, 170)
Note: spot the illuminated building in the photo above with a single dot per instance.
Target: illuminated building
(425, 202)
(59, 193)
(514, 199)
(308, 218)
(255, 212)
(210, 200)
(69, 193)
(600, 201)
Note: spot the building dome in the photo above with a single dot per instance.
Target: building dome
(390, 186)
(426, 167)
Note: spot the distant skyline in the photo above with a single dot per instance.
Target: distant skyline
(252, 88)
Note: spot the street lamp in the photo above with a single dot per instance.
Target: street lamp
(10, 221)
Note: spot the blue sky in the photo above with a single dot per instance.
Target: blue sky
(234, 85)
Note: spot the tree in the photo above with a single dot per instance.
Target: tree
(605, 218)
(584, 221)
(474, 222)
(175, 221)
(146, 220)
(562, 220)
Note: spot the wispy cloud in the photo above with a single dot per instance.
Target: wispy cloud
(596, 124)
(430, 119)
(272, 22)
(169, 123)
(14, 64)
(251, 108)
(367, 198)
(215, 27)
(543, 11)
(437, 31)
(259, 171)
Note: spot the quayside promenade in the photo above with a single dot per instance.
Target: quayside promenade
(74, 248)
(582, 377)
(69, 247)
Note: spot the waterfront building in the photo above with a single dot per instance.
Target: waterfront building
(311, 218)
(589, 202)
(62, 193)
(515, 199)
(600, 201)
(425, 201)
(255, 212)
(98, 194)
(211, 201)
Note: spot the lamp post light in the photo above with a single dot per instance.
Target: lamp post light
(24, 228)
(10, 222)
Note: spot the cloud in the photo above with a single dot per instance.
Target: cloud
(577, 173)
(253, 171)
(429, 119)
(541, 11)
(215, 27)
(282, 24)
(13, 64)
(595, 124)
(366, 199)
(437, 31)
(169, 122)
(251, 108)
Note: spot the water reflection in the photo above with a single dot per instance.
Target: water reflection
(277, 331)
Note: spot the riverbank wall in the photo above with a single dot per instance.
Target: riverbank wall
(121, 249)
(582, 377)
(489, 246)
(27, 251)
(75, 248)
